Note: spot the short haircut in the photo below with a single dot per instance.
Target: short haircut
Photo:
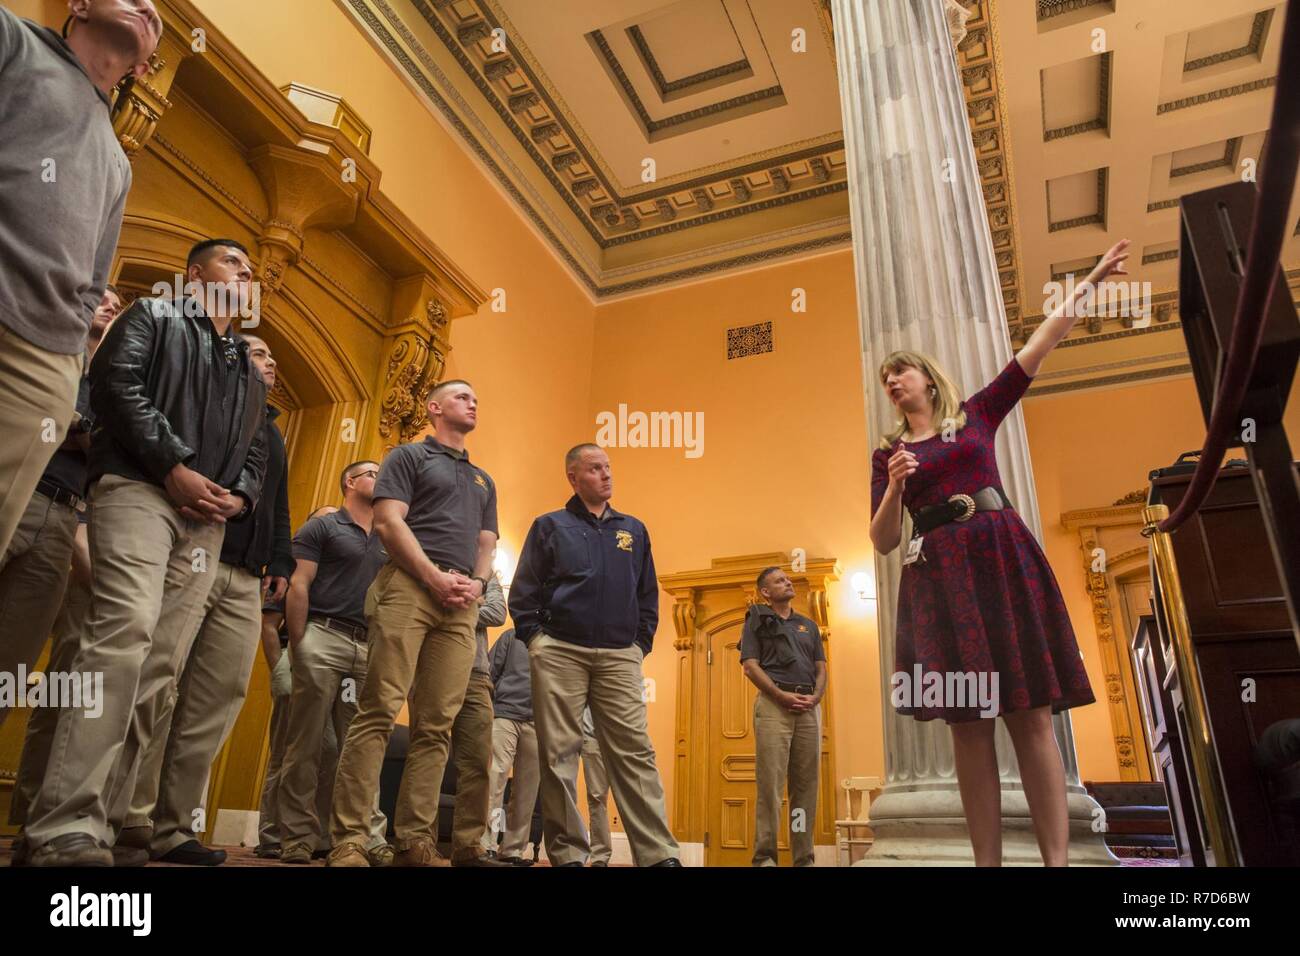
(572, 456)
(347, 472)
(762, 575)
(441, 385)
(109, 287)
(200, 250)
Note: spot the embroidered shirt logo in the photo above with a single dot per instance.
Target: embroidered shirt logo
(478, 480)
(803, 628)
(623, 539)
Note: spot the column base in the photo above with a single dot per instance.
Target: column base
(928, 828)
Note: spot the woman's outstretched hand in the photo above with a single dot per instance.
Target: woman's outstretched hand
(1112, 263)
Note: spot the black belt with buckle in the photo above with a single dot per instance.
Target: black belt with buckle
(354, 631)
(60, 496)
(958, 508)
(794, 688)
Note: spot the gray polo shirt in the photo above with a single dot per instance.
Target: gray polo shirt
(789, 654)
(63, 186)
(491, 613)
(347, 560)
(450, 500)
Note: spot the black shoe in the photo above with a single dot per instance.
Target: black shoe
(598, 863)
(194, 853)
(671, 861)
(516, 861)
(267, 851)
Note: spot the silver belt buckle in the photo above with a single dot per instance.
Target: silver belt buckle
(968, 503)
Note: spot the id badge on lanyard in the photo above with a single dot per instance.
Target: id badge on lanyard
(914, 552)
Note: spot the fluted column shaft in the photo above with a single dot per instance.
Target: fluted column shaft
(927, 280)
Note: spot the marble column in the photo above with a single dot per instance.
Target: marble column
(927, 280)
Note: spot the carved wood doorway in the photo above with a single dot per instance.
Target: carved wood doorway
(713, 742)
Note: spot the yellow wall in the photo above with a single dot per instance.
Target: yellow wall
(531, 364)
(786, 460)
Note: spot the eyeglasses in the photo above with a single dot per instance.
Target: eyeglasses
(367, 474)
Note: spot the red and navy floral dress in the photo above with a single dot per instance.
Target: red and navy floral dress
(984, 599)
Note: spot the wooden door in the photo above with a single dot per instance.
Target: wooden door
(715, 796)
(732, 797)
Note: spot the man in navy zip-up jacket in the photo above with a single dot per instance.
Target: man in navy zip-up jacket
(586, 602)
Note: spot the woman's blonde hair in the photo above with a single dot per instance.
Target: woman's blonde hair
(947, 403)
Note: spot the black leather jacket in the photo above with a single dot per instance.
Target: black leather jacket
(156, 403)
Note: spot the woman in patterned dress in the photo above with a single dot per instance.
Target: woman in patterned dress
(981, 598)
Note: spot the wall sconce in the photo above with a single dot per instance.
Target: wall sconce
(864, 586)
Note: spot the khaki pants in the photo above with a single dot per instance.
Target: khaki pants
(153, 570)
(787, 752)
(38, 395)
(33, 574)
(329, 674)
(565, 678)
(418, 649)
(199, 712)
(68, 629)
(593, 771)
(471, 742)
(268, 824)
(514, 744)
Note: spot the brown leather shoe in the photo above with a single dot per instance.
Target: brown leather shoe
(299, 853)
(422, 854)
(348, 854)
(381, 855)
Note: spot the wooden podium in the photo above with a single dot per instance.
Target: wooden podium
(1249, 671)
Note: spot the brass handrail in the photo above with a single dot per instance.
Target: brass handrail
(1205, 762)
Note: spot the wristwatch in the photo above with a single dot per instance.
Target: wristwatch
(482, 581)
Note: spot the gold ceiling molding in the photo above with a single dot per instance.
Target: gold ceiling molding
(516, 89)
(1054, 8)
(979, 59)
(656, 130)
(1100, 121)
(1128, 378)
(1228, 160)
(669, 88)
(1096, 218)
(773, 178)
(1200, 99)
(1252, 47)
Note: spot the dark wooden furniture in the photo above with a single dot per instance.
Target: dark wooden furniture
(1153, 668)
(1245, 653)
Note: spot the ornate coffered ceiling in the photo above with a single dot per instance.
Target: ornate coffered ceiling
(1112, 110)
(652, 142)
(648, 142)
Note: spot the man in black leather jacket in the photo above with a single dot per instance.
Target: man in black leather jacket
(212, 681)
(177, 449)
